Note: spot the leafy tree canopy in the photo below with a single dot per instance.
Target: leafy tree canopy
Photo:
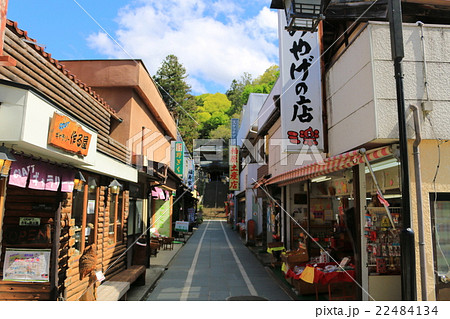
(171, 81)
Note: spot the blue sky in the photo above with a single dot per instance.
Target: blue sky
(216, 40)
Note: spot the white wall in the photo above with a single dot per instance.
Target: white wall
(249, 116)
(361, 94)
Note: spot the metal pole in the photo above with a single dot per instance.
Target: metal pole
(408, 262)
(418, 179)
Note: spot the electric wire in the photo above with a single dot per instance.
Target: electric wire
(126, 52)
(312, 239)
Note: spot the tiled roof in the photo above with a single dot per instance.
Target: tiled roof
(12, 25)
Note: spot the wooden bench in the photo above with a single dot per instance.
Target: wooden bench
(117, 286)
(134, 274)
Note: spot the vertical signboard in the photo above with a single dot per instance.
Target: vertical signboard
(179, 154)
(301, 102)
(234, 130)
(234, 168)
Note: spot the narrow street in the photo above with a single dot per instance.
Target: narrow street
(215, 265)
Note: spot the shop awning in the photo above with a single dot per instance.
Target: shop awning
(328, 165)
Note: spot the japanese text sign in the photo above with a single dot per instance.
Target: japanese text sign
(234, 168)
(301, 102)
(234, 130)
(68, 135)
(179, 161)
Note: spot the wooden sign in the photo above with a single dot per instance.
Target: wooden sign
(68, 135)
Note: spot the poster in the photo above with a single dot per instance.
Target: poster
(27, 265)
(91, 207)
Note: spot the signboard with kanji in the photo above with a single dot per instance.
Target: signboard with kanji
(301, 102)
(179, 162)
(68, 135)
(234, 168)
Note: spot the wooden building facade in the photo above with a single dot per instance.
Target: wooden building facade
(72, 233)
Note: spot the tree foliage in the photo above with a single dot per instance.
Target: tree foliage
(171, 81)
(207, 115)
(212, 112)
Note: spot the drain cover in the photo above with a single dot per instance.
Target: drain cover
(247, 298)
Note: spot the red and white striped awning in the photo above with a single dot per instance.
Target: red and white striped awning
(328, 165)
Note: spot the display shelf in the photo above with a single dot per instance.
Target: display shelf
(383, 240)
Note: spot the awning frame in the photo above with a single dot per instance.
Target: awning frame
(329, 165)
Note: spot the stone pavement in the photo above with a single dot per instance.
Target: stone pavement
(216, 265)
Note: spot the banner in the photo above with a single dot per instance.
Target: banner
(301, 99)
(234, 168)
(41, 176)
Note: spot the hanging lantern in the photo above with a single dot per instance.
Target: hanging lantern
(302, 15)
(6, 159)
(92, 185)
(79, 182)
(115, 187)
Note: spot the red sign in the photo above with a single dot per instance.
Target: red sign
(68, 135)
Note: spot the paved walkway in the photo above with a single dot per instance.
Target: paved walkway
(158, 265)
(215, 265)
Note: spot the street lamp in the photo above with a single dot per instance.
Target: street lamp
(6, 159)
(115, 187)
(302, 15)
(79, 182)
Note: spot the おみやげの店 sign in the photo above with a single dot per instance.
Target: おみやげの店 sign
(68, 135)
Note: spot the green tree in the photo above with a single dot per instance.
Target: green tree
(212, 112)
(269, 77)
(171, 81)
(240, 89)
(234, 93)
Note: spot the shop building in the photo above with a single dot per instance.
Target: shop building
(66, 200)
(148, 129)
(335, 200)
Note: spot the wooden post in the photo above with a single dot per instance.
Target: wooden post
(4, 60)
(55, 251)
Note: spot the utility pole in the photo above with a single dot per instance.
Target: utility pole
(408, 260)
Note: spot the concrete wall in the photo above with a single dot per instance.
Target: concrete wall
(361, 95)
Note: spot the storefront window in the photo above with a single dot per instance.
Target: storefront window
(77, 214)
(90, 213)
(135, 217)
(119, 223)
(116, 218)
(441, 205)
(112, 218)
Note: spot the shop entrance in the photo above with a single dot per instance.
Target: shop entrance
(28, 233)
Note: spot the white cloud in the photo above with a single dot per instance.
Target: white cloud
(216, 41)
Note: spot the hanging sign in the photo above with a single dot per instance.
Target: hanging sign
(179, 159)
(68, 135)
(234, 130)
(28, 265)
(301, 102)
(234, 168)
(41, 176)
